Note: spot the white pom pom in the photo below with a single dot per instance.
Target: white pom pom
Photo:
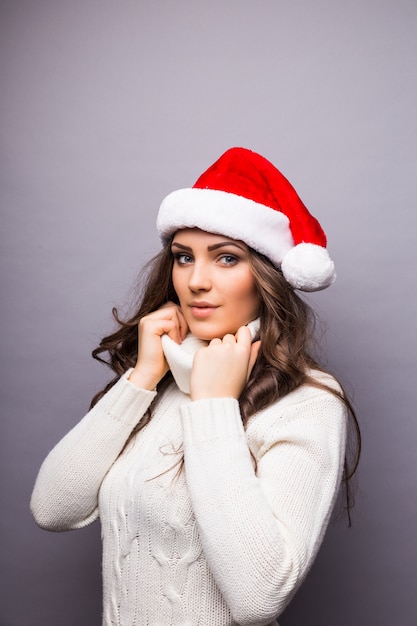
(308, 267)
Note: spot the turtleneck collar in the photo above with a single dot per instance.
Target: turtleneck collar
(180, 356)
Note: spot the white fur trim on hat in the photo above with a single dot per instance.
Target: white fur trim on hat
(308, 267)
(260, 227)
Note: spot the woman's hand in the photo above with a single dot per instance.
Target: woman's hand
(222, 369)
(151, 364)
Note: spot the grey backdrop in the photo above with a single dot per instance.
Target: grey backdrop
(106, 106)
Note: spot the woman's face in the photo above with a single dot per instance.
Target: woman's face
(214, 283)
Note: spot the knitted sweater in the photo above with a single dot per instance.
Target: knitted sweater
(224, 538)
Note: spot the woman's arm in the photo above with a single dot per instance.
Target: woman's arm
(66, 490)
(261, 529)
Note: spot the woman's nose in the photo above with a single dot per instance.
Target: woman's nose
(199, 279)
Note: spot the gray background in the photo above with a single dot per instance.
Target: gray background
(106, 106)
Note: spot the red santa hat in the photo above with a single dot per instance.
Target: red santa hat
(245, 197)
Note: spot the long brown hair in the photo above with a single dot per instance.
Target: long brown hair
(285, 358)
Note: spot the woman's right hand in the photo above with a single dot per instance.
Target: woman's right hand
(151, 365)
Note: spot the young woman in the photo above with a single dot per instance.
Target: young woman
(215, 455)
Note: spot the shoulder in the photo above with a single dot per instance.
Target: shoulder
(309, 413)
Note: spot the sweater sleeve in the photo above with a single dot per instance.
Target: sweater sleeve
(262, 510)
(65, 495)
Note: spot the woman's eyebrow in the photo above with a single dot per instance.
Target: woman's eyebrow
(215, 246)
(224, 244)
(180, 245)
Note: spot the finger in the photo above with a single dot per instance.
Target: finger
(160, 327)
(171, 311)
(229, 339)
(215, 342)
(177, 330)
(243, 337)
(178, 316)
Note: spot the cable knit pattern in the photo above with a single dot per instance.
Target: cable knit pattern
(203, 523)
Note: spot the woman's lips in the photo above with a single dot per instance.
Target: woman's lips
(201, 310)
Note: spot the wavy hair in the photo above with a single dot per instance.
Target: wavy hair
(287, 334)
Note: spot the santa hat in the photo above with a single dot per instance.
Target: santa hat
(243, 196)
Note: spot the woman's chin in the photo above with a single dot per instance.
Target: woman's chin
(207, 331)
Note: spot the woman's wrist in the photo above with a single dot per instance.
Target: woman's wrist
(141, 379)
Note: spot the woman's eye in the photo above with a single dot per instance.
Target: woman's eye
(183, 259)
(229, 259)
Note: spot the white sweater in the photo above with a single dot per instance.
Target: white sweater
(225, 540)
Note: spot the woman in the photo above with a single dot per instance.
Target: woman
(214, 456)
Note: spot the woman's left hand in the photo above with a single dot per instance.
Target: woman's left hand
(222, 369)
